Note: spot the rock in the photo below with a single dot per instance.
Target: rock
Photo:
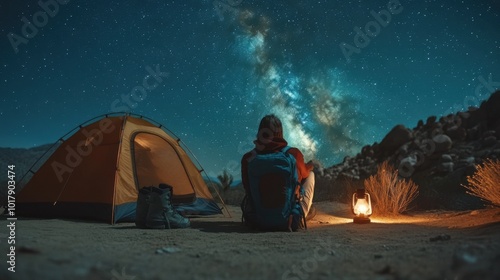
(457, 133)
(431, 120)
(397, 137)
(473, 133)
(497, 129)
(346, 160)
(468, 254)
(367, 150)
(446, 158)
(168, 250)
(491, 106)
(469, 262)
(446, 167)
(489, 133)
(28, 250)
(476, 117)
(463, 115)
(441, 237)
(489, 141)
(420, 124)
(467, 161)
(443, 142)
(481, 154)
(385, 270)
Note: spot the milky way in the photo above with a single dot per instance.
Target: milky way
(319, 117)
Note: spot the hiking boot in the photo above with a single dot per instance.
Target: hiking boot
(161, 213)
(142, 207)
(312, 213)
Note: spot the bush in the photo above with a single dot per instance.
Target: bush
(485, 182)
(225, 180)
(390, 194)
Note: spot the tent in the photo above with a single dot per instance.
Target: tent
(98, 168)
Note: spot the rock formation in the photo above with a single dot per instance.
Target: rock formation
(437, 155)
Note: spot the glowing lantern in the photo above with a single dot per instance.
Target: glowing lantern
(361, 206)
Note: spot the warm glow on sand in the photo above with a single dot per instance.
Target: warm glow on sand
(339, 214)
(328, 219)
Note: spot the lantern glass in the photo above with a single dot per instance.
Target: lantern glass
(361, 203)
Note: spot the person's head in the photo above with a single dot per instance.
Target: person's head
(270, 127)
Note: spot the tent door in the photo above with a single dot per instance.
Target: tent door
(156, 161)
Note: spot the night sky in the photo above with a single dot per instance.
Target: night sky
(340, 74)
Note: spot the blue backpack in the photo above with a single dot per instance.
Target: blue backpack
(273, 199)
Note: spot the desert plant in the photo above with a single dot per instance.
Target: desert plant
(485, 182)
(390, 194)
(225, 180)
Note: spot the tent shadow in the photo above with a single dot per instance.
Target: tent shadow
(124, 227)
(220, 226)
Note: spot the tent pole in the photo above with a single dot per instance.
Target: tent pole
(218, 194)
(63, 188)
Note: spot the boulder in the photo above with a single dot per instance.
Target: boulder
(397, 137)
(431, 120)
(407, 166)
(489, 133)
(367, 151)
(443, 142)
(420, 124)
(456, 133)
(446, 158)
(491, 107)
(476, 117)
(446, 167)
(489, 141)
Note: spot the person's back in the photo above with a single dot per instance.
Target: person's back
(273, 174)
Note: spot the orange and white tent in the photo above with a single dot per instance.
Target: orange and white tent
(97, 171)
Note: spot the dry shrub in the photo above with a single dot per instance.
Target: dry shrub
(485, 182)
(390, 194)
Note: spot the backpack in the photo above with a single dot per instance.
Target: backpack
(272, 201)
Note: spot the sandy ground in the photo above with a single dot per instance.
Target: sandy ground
(465, 245)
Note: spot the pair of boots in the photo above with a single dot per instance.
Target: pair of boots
(155, 210)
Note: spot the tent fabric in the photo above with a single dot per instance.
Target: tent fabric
(96, 173)
(201, 206)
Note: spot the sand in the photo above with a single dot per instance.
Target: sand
(430, 245)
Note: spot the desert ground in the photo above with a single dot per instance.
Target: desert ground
(424, 245)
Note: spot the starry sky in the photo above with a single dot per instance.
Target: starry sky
(340, 74)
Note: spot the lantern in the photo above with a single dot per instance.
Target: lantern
(361, 206)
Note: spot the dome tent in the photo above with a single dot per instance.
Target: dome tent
(97, 169)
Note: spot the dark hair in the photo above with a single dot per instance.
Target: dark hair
(270, 126)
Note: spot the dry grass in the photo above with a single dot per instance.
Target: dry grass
(485, 182)
(390, 194)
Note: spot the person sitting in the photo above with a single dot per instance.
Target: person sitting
(270, 140)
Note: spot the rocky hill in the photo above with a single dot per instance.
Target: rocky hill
(437, 154)
(23, 159)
